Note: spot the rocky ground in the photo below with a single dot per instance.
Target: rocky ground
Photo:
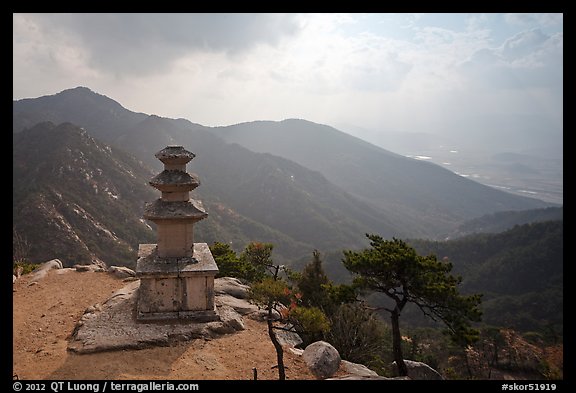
(45, 314)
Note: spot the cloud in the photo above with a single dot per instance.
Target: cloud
(534, 19)
(148, 43)
(46, 61)
(376, 70)
(528, 59)
(523, 44)
(439, 73)
(327, 59)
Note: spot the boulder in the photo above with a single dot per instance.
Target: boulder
(14, 278)
(120, 296)
(88, 268)
(241, 306)
(65, 270)
(41, 271)
(261, 315)
(296, 351)
(121, 271)
(288, 338)
(231, 318)
(98, 262)
(231, 286)
(51, 264)
(357, 369)
(322, 359)
(419, 371)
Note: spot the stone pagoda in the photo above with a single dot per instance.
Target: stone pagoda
(176, 274)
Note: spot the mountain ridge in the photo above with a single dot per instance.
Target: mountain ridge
(68, 183)
(374, 174)
(328, 203)
(505, 220)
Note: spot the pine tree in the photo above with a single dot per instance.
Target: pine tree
(226, 259)
(313, 282)
(395, 269)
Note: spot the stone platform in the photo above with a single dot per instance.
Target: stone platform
(176, 288)
(113, 325)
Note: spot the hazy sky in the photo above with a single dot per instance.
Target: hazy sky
(475, 74)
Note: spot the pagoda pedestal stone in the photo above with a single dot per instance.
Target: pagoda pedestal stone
(176, 274)
(181, 288)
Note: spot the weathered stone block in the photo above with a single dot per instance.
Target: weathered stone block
(176, 287)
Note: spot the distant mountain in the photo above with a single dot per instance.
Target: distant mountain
(405, 142)
(79, 106)
(270, 190)
(427, 198)
(502, 221)
(254, 196)
(309, 186)
(79, 200)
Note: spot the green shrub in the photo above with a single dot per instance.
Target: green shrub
(26, 267)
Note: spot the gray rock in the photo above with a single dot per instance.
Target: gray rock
(126, 292)
(88, 268)
(231, 286)
(261, 315)
(121, 271)
(322, 359)
(296, 351)
(220, 329)
(231, 318)
(241, 306)
(51, 264)
(98, 262)
(356, 369)
(41, 271)
(65, 270)
(419, 370)
(288, 338)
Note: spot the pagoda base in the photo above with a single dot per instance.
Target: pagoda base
(176, 288)
(200, 316)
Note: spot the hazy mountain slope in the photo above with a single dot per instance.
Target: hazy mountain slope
(280, 195)
(249, 197)
(75, 198)
(273, 191)
(502, 221)
(404, 197)
(399, 185)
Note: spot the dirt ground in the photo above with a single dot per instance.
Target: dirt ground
(44, 316)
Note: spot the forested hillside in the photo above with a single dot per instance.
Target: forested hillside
(519, 271)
